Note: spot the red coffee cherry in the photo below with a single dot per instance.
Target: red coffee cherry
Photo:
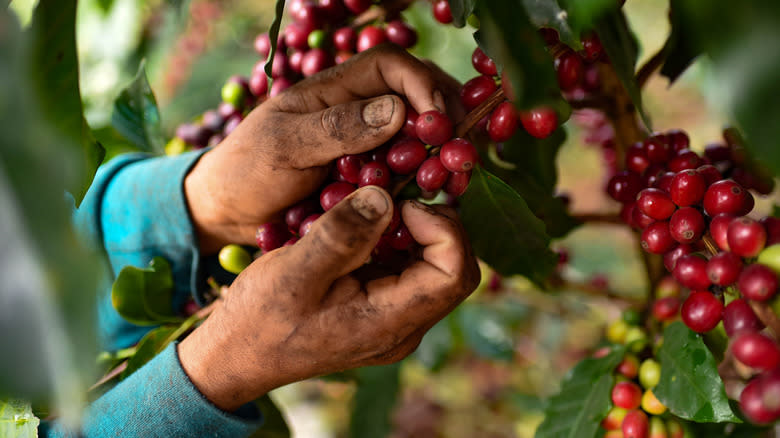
(671, 257)
(691, 272)
(333, 193)
(687, 188)
(658, 150)
(723, 268)
(624, 186)
(476, 91)
(569, 67)
(442, 12)
(687, 225)
(685, 159)
(678, 140)
(406, 155)
(655, 203)
(345, 39)
(434, 127)
(656, 238)
(370, 36)
(756, 350)
(719, 226)
(458, 155)
(457, 183)
(375, 173)
(665, 309)
(725, 196)
(636, 158)
(539, 122)
(626, 395)
(635, 424)
(400, 33)
(746, 237)
(482, 63)
(739, 317)
(503, 122)
(432, 174)
(752, 404)
(757, 282)
(702, 311)
(271, 236)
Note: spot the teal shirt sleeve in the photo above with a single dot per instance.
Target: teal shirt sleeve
(137, 209)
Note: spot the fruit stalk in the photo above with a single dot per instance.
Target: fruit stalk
(478, 113)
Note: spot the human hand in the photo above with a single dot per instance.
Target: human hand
(298, 312)
(280, 153)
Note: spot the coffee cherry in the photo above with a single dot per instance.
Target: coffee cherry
(503, 122)
(691, 272)
(258, 84)
(616, 331)
(723, 268)
(658, 151)
(539, 122)
(665, 309)
(308, 223)
(193, 134)
(457, 183)
(357, 7)
(752, 405)
(271, 236)
(746, 237)
(434, 127)
(658, 428)
(719, 226)
(432, 174)
(401, 239)
(442, 12)
(280, 84)
(655, 203)
(234, 91)
(315, 61)
(369, 37)
(651, 404)
(663, 181)
(614, 419)
(678, 140)
(332, 10)
(635, 425)
(406, 155)
(307, 15)
(569, 69)
(685, 159)
(297, 213)
(667, 287)
(333, 193)
(375, 173)
(636, 158)
(636, 339)
(757, 282)
(687, 225)
(234, 259)
(702, 311)
(410, 126)
(296, 37)
(345, 39)
(724, 196)
(316, 39)
(756, 350)
(739, 317)
(591, 46)
(263, 45)
(482, 63)
(624, 186)
(232, 123)
(710, 173)
(671, 257)
(401, 34)
(640, 220)
(770, 256)
(649, 373)
(687, 188)
(626, 395)
(476, 91)
(629, 366)
(349, 167)
(657, 239)
(459, 155)
(772, 226)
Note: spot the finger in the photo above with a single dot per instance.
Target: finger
(382, 70)
(341, 240)
(450, 88)
(433, 286)
(349, 128)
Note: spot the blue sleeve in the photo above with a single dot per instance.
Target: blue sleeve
(137, 209)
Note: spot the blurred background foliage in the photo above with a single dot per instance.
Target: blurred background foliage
(486, 369)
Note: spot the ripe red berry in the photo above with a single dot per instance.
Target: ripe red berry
(569, 67)
(725, 196)
(476, 91)
(332, 10)
(591, 46)
(315, 61)
(702, 311)
(639, 219)
(271, 236)
(308, 223)
(442, 12)
(369, 37)
(723, 268)
(482, 63)
(685, 159)
(307, 15)
(656, 238)
(691, 272)
(652, 173)
(739, 317)
(357, 7)
(626, 395)
(671, 257)
(636, 158)
(772, 226)
(458, 155)
(434, 127)
(258, 84)
(655, 203)
(687, 188)
(432, 174)
(624, 186)
(457, 183)
(719, 226)
(663, 181)
(375, 173)
(756, 350)
(345, 39)
(401, 33)
(635, 424)
(752, 404)
(665, 309)
(401, 239)
(746, 237)
(710, 173)
(687, 225)
(406, 155)
(297, 213)
(539, 122)
(263, 45)
(503, 122)
(657, 149)
(678, 140)
(757, 282)
(279, 85)
(349, 167)
(333, 193)
(629, 366)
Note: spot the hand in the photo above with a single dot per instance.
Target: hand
(297, 312)
(281, 153)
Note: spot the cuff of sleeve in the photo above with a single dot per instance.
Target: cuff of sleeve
(159, 400)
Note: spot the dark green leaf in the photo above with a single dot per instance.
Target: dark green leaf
(508, 36)
(374, 400)
(515, 242)
(584, 399)
(274, 424)
(583, 15)
(152, 344)
(436, 345)
(105, 5)
(144, 296)
(54, 75)
(680, 49)
(547, 13)
(461, 9)
(136, 115)
(690, 385)
(273, 34)
(486, 332)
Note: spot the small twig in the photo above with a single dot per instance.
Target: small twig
(599, 218)
(387, 9)
(621, 112)
(712, 248)
(110, 375)
(396, 189)
(650, 67)
(485, 108)
(767, 316)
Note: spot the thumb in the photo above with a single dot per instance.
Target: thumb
(347, 128)
(341, 240)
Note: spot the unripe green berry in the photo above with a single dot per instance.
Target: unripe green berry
(316, 38)
(176, 146)
(234, 259)
(649, 373)
(632, 317)
(770, 256)
(658, 428)
(473, 21)
(233, 93)
(636, 339)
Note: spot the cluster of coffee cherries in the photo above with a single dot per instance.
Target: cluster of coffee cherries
(636, 412)
(697, 219)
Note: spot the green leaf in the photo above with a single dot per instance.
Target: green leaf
(152, 344)
(680, 49)
(508, 36)
(515, 241)
(436, 345)
(584, 399)
(486, 332)
(274, 424)
(17, 420)
(690, 385)
(548, 13)
(136, 115)
(273, 34)
(374, 400)
(461, 9)
(144, 296)
(54, 76)
(584, 14)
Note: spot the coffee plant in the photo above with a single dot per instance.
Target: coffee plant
(698, 355)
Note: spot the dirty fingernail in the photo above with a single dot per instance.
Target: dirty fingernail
(379, 112)
(370, 203)
(438, 101)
